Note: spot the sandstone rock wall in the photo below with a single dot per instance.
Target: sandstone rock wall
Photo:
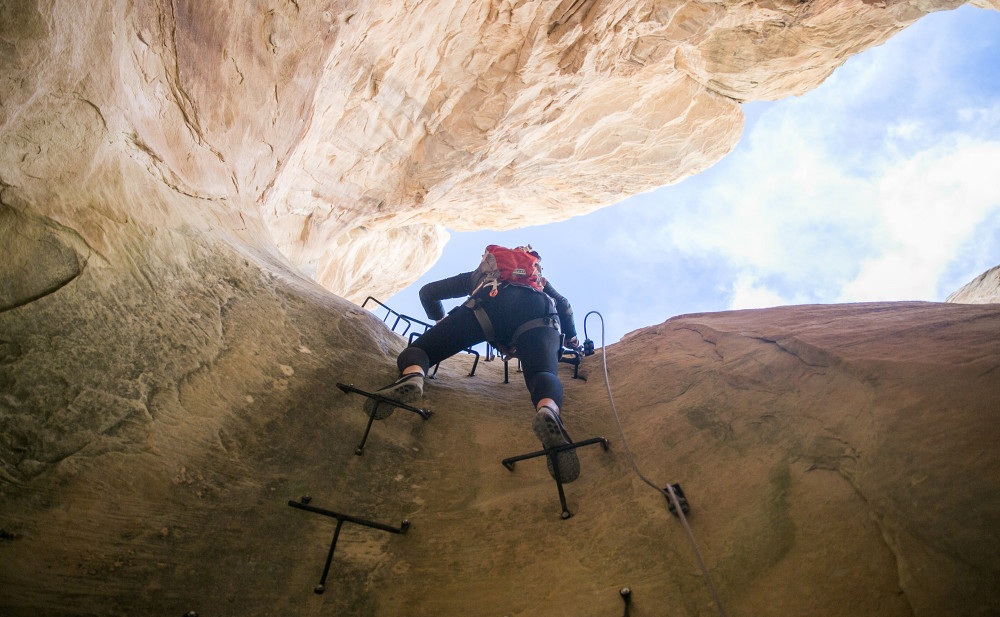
(139, 139)
(341, 132)
(839, 461)
(166, 371)
(503, 115)
(984, 289)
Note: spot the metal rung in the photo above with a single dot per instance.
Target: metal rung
(551, 453)
(341, 519)
(347, 388)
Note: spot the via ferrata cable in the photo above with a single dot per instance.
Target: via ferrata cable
(668, 492)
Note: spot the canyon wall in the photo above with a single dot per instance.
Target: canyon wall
(839, 461)
(182, 186)
(984, 289)
(346, 136)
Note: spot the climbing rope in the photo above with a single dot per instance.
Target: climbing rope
(668, 492)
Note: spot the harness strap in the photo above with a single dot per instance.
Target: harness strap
(541, 322)
(549, 321)
(483, 319)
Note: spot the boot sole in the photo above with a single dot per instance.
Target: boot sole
(549, 433)
(404, 393)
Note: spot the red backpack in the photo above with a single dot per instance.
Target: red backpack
(518, 266)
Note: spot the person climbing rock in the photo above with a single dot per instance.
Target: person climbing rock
(516, 310)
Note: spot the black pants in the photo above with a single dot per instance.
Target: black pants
(537, 348)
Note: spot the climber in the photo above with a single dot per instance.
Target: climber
(513, 308)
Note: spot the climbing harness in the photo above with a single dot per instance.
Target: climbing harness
(348, 388)
(302, 504)
(476, 304)
(678, 507)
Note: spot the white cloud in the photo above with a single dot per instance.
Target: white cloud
(929, 205)
(987, 119)
(798, 212)
(868, 188)
(907, 129)
(788, 209)
(749, 294)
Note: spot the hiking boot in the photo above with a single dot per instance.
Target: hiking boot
(549, 430)
(407, 389)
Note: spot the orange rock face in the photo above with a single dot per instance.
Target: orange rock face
(839, 460)
(168, 374)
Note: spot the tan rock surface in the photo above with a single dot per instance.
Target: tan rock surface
(510, 115)
(840, 460)
(984, 289)
(167, 375)
(325, 130)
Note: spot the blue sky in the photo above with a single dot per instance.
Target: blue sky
(882, 184)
